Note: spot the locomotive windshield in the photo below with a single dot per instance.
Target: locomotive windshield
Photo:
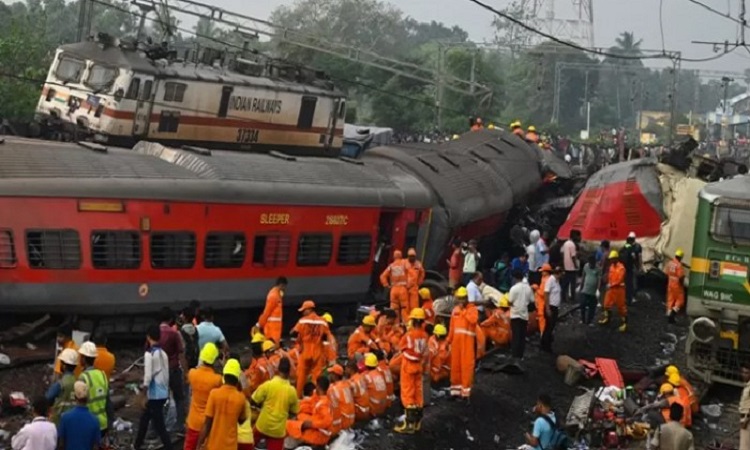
(69, 69)
(101, 77)
(731, 224)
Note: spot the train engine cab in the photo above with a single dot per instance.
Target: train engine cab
(115, 94)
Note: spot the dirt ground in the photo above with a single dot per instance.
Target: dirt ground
(500, 408)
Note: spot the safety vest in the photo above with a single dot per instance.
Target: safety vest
(66, 400)
(98, 385)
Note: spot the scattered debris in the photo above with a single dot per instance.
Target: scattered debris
(469, 436)
(22, 330)
(375, 425)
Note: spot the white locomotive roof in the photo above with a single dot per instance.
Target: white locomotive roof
(129, 59)
(738, 188)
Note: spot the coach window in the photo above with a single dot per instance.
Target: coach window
(146, 92)
(271, 250)
(314, 249)
(307, 112)
(174, 250)
(731, 224)
(224, 250)
(7, 250)
(174, 92)
(115, 249)
(342, 109)
(101, 77)
(169, 121)
(53, 249)
(135, 86)
(354, 249)
(69, 70)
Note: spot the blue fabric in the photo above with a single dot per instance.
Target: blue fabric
(53, 391)
(543, 431)
(517, 264)
(540, 258)
(208, 332)
(79, 429)
(599, 255)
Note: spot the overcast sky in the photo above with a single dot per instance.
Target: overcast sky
(683, 22)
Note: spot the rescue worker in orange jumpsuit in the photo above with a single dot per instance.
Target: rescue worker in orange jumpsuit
(363, 338)
(429, 311)
(675, 291)
(376, 388)
(539, 300)
(269, 321)
(359, 392)
(517, 129)
(387, 376)
(497, 326)
(615, 296)
(455, 265)
(388, 332)
(261, 369)
(396, 278)
(311, 330)
(683, 387)
(342, 400)
(413, 347)
(276, 358)
(477, 124)
(462, 339)
(330, 344)
(415, 277)
(668, 397)
(440, 354)
(314, 429)
(531, 135)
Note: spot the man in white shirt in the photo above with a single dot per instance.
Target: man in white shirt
(569, 252)
(40, 434)
(471, 260)
(475, 293)
(552, 299)
(520, 297)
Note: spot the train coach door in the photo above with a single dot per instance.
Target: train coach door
(384, 245)
(142, 118)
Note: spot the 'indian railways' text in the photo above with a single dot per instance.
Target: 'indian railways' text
(256, 105)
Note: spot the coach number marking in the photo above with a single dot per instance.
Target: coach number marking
(337, 220)
(247, 136)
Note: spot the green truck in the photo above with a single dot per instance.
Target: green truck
(719, 291)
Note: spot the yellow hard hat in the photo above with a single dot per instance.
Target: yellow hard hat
(461, 292)
(614, 254)
(209, 353)
(267, 346)
(679, 253)
(666, 388)
(674, 379)
(532, 128)
(417, 314)
(671, 369)
(371, 360)
(258, 338)
(232, 367)
(455, 136)
(439, 330)
(328, 318)
(424, 293)
(368, 321)
(504, 302)
(491, 126)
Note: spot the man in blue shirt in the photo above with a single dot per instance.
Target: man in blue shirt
(78, 428)
(541, 437)
(208, 332)
(521, 263)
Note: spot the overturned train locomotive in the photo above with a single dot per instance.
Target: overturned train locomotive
(97, 230)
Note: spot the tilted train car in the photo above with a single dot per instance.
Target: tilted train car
(117, 95)
(98, 230)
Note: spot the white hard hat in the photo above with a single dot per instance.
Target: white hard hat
(88, 349)
(568, 158)
(69, 357)
(631, 235)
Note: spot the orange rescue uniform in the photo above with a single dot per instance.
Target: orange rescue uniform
(360, 342)
(413, 348)
(388, 377)
(58, 364)
(270, 320)
(343, 392)
(105, 361)
(331, 350)
(321, 418)
(615, 296)
(310, 331)
(429, 311)
(687, 413)
(396, 277)
(497, 327)
(377, 391)
(276, 357)
(260, 371)
(686, 391)
(415, 278)
(541, 303)
(675, 292)
(361, 397)
(440, 359)
(455, 268)
(462, 339)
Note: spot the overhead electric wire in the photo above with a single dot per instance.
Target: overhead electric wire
(717, 12)
(661, 25)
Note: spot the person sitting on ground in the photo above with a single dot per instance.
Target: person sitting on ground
(40, 433)
(440, 355)
(672, 435)
(544, 425)
(307, 404)
(313, 429)
(497, 326)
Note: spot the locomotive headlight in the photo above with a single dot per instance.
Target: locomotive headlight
(703, 329)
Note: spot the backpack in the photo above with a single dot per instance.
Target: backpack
(559, 439)
(191, 348)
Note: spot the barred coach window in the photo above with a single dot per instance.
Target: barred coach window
(115, 249)
(7, 250)
(271, 250)
(224, 250)
(53, 249)
(175, 250)
(354, 249)
(314, 249)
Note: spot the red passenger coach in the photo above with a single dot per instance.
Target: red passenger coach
(111, 231)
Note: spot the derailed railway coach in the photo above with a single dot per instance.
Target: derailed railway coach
(91, 229)
(117, 94)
